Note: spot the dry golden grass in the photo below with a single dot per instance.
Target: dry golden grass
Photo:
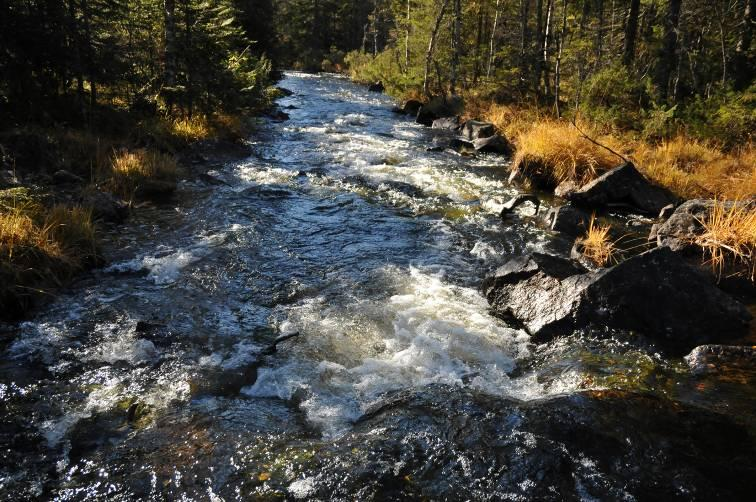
(693, 169)
(597, 244)
(131, 169)
(729, 238)
(191, 129)
(556, 151)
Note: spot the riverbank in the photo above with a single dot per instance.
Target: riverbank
(62, 186)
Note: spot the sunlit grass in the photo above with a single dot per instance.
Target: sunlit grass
(597, 245)
(729, 237)
(131, 169)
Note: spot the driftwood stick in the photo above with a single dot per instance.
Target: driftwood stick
(574, 123)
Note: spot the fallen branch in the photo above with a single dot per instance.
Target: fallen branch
(573, 122)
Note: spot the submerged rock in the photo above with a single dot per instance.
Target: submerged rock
(623, 186)
(450, 123)
(655, 294)
(493, 144)
(155, 189)
(473, 129)
(451, 443)
(722, 358)
(568, 219)
(462, 146)
(411, 107)
(376, 87)
(519, 200)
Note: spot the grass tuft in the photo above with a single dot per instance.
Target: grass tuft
(597, 244)
(729, 238)
(132, 169)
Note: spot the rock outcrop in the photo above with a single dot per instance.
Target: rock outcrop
(623, 186)
(473, 129)
(568, 219)
(655, 294)
(493, 144)
(449, 123)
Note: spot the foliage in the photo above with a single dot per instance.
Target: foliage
(729, 238)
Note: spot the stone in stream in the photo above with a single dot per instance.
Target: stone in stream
(439, 107)
(462, 146)
(474, 129)
(519, 200)
(568, 219)
(449, 123)
(565, 189)
(655, 294)
(104, 205)
(155, 189)
(666, 211)
(453, 443)
(411, 107)
(722, 358)
(493, 144)
(376, 87)
(623, 186)
(278, 116)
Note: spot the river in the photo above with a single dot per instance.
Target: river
(154, 377)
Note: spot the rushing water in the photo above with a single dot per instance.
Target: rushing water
(151, 378)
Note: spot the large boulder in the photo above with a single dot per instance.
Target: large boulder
(449, 123)
(568, 219)
(462, 146)
(708, 359)
(623, 186)
(655, 294)
(686, 223)
(439, 107)
(473, 129)
(493, 144)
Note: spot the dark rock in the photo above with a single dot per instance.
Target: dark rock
(439, 107)
(623, 185)
(655, 293)
(376, 87)
(8, 180)
(397, 110)
(565, 189)
(473, 129)
(568, 219)
(666, 211)
(210, 179)
(450, 123)
(411, 107)
(278, 116)
(653, 232)
(518, 200)
(105, 206)
(435, 149)
(284, 91)
(155, 189)
(684, 225)
(722, 359)
(63, 176)
(462, 146)
(493, 144)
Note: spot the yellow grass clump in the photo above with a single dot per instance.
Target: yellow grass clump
(729, 238)
(191, 129)
(556, 151)
(694, 169)
(132, 169)
(597, 245)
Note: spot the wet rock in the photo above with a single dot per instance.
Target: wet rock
(493, 144)
(376, 87)
(411, 107)
(566, 188)
(462, 146)
(568, 219)
(519, 200)
(473, 129)
(397, 110)
(105, 206)
(722, 358)
(449, 443)
(449, 123)
(155, 189)
(666, 211)
(655, 294)
(284, 91)
(684, 225)
(210, 179)
(8, 179)
(652, 234)
(623, 186)
(278, 116)
(439, 107)
(435, 149)
(63, 176)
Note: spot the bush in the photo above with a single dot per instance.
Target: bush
(615, 98)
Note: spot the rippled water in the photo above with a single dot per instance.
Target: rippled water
(151, 378)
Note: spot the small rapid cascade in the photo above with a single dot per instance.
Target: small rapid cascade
(160, 376)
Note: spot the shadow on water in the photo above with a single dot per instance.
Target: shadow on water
(154, 378)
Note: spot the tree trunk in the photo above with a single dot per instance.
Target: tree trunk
(668, 57)
(742, 67)
(631, 30)
(169, 54)
(546, 43)
(456, 45)
(558, 68)
(406, 39)
(600, 33)
(524, 39)
(432, 46)
(492, 41)
(539, 46)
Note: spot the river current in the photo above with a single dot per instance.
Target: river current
(154, 378)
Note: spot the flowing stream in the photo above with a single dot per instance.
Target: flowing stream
(154, 379)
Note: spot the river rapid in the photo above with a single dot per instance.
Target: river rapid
(154, 378)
